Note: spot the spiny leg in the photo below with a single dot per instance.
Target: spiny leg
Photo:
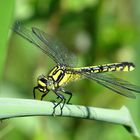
(62, 99)
(43, 95)
(34, 90)
(69, 93)
(54, 101)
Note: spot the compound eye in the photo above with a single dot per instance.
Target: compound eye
(43, 80)
(41, 83)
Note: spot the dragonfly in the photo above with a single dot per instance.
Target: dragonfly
(66, 71)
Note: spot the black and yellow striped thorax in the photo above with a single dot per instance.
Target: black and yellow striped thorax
(61, 75)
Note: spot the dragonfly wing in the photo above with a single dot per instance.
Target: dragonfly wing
(25, 33)
(46, 43)
(115, 84)
(118, 89)
(55, 48)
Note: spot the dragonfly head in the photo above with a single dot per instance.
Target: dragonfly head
(44, 84)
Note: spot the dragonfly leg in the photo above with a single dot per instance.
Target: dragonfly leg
(34, 90)
(70, 95)
(62, 99)
(54, 101)
(43, 95)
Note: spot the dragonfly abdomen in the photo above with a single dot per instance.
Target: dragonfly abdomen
(123, 66)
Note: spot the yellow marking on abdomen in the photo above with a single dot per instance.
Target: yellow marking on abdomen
(124, 66)
(63, 75)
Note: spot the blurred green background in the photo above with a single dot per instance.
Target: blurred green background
(98, 32)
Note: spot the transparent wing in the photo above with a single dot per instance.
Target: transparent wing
(46, 43)
(115, 84)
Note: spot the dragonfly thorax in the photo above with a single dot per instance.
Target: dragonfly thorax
(45, 83)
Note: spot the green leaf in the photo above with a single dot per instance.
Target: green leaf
(6, 13)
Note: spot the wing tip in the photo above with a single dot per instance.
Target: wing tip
(16, 26)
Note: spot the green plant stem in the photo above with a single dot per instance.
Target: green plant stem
(6, 14)
(11, 107)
